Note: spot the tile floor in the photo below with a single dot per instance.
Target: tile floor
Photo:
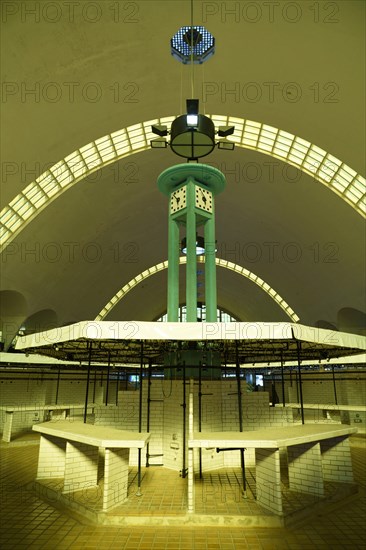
(28, 522)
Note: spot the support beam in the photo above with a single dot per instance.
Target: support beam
(210, 270)
(240, 412)
(191, 266)
(87, 382)
(298, 344)
(140, 420)
(173, 270)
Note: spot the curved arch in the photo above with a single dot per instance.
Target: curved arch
(298, 152)
(183, 260)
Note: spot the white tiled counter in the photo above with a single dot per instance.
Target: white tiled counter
(70, 450)
(315, 453)
(57, 412)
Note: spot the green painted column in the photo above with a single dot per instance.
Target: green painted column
(187, 213)
(191, 267)
(173, 270)
(210, 270)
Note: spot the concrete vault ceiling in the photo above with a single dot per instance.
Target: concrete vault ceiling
(107, 65)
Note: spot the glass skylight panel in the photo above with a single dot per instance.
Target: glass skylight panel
(339, 184)
(123, 149)
(138, 141)
(343, 177)
(284, 139)
(333, 161)
(91, 158)
(18, 202)
(106, 149)
(4, 233)
(326, 172)
(134, 129)
(362, 205)
(296, 157)
(280, 150)
(220, 120)
(44, 179)
(300, 145)
(353, 194)
(136, 135)
(50, 187)
(119, 135)
(9, 217)
(26, 210)
(360, 183)
(34, 193)
(234, 121)
(15, 223)
(77, 165)
(235, 138)
(317, 153)
(265, 143)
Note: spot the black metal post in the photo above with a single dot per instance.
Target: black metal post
(238, 383)
(148, 411)
(298, 345)
(334, 386)
(87, 382)
(108, 373)
(117, 386)
(95, 382)
(140, 419)
(283, 382)
(58, 384)
(200, 413)
(184, 405)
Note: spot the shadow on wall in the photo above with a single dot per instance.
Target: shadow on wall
(352, 320)
(14, 320)
(349, 319)
(13, 311)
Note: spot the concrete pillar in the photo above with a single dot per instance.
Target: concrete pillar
(115, 477)
(305, 468)
(51, 461)
(268, 479)
(336, 459)
(81, 466)
(8, 426)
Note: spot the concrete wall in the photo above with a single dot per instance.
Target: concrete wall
(219, 408)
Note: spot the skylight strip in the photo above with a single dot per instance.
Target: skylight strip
(310, 160)
(183, 260)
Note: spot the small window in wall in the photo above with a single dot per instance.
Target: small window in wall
(222, 316)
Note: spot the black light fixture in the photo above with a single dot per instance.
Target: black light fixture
(159, 144)
(225, 131)
(192, 112)
(159, 130)
(192, 135)
(200, 245)
(226, 145)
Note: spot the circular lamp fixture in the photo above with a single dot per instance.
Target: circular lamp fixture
(200, 245)
(192, 136)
